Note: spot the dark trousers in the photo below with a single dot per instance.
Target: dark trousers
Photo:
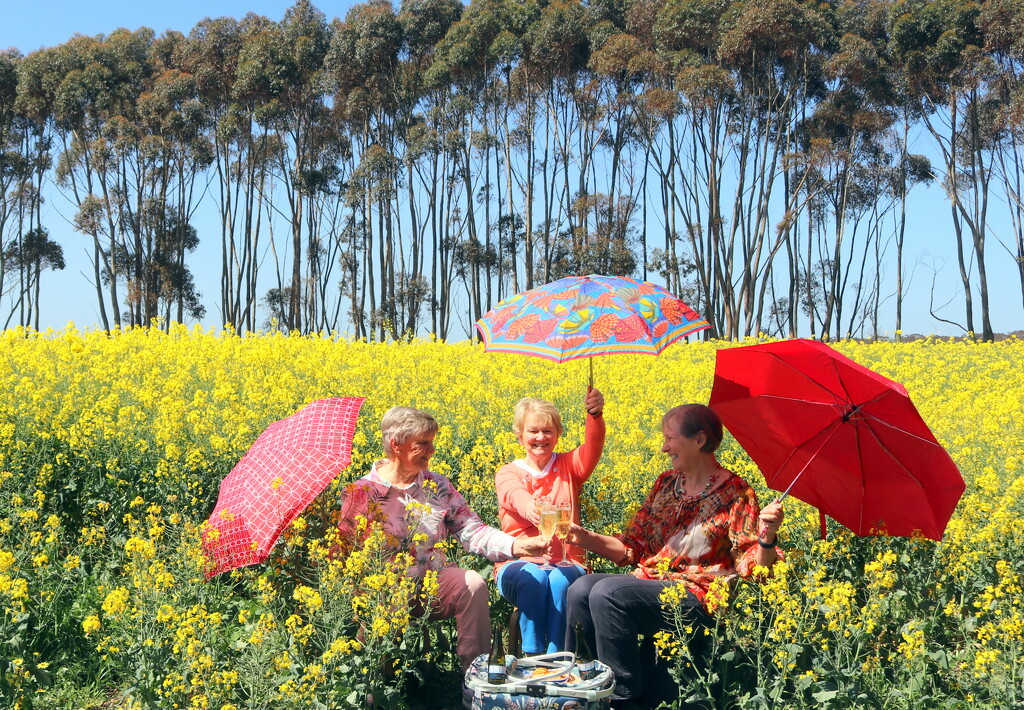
(614, 610)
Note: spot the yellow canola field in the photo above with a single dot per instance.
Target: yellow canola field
(112, 447)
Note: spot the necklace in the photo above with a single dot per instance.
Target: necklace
(702, 493)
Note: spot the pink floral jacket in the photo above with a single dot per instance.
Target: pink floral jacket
(431, 506)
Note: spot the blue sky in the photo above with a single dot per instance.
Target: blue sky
(28, 25)
(31, 24)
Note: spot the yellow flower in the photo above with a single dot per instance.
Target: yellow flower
(91, 624)
(115, 602)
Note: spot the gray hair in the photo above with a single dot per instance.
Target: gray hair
(403, 423)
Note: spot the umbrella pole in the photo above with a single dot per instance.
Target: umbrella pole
(801, 472)
(590, 385)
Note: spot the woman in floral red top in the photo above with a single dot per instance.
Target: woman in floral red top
(699, 522)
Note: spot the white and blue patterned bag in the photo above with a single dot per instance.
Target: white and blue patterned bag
(548, 682)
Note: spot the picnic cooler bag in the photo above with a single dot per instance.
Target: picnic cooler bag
(548, 682)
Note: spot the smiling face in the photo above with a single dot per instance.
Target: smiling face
(413, 455)
(539, 438)
(682, 450)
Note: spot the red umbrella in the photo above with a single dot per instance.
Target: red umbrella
(838, 436)
(283, 471)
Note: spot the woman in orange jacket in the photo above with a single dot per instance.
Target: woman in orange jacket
(544, 477)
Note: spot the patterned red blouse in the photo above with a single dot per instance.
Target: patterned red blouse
(705, 537)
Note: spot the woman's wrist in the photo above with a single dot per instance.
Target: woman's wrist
(768, 545)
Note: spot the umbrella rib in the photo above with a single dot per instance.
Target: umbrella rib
(799, 400)
(835, 427)
(887, 450)
(923, 440)
(807, 377)
(898, 463)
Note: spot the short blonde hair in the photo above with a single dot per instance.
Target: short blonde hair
(403, 423)
(531, 405)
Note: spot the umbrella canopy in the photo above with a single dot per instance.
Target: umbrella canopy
(584, 316)
(839, 436)
(283, 471)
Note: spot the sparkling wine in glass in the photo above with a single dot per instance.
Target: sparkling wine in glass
(562, 530)
(548, 519)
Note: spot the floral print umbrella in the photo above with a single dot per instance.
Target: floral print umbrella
(584, 316)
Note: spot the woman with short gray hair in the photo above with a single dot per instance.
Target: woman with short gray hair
(403, 423)
(385, 494)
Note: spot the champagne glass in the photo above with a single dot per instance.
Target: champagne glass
(562, 530)
(548, 520)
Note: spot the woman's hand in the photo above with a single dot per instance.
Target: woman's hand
(533, 514)
(771, 520)
(574, 535)
(530, 546)
(594, 402)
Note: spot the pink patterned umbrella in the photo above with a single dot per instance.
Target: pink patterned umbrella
(283, 471)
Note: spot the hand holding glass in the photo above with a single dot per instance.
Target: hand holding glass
(548, 519)
(562, 530)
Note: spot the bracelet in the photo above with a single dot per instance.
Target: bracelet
(595, 414)
(766, 545)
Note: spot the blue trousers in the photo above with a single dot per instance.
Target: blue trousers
(540, 595)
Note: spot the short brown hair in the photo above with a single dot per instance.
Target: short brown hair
(691, 419)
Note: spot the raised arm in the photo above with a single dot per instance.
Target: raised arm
(585, 457)
(754, 533)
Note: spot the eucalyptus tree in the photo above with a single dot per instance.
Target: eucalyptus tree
(360, 68)
(622, 63)
(747, 74)
(89, 87)
(28, 256)
(774, 50)
(470, 62)
(424, 24)
(26, 249)
(660, 107)
(174, 139)
(938, 48)
(1002, 24)
(557, 48)
(851, 123)
(12, 164)
(693, 93)
(283, 65)
(241, 156)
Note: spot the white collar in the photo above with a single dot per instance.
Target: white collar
(522, 463)
(389, 484)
